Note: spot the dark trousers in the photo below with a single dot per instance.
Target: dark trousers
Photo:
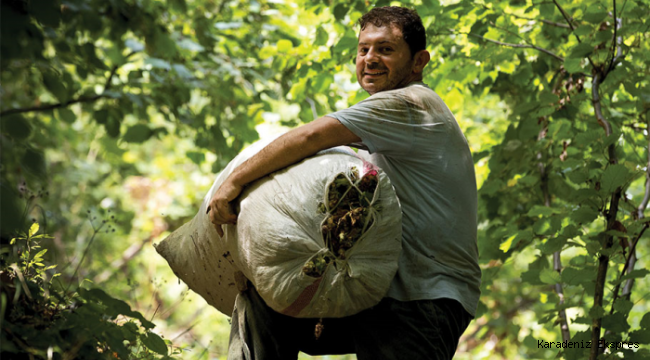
(422, 329)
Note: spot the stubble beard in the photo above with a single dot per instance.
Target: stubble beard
(392, 80)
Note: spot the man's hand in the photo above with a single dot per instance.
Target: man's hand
(219, 209)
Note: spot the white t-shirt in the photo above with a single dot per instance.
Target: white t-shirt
(413, 136)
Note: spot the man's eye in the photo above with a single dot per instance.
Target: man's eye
(387, 49)
(363, 50)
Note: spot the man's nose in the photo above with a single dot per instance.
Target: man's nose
(371, 56)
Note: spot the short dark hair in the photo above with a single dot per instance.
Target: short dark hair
(406, 19)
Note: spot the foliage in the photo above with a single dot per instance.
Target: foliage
(42, 321)
(119, 104)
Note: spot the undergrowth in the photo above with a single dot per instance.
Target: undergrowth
(41, 318)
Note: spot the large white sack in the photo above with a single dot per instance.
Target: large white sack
(278, 231)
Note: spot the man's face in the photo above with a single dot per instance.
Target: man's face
(383, 59)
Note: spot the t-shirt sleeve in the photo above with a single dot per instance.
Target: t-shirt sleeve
(383, 122)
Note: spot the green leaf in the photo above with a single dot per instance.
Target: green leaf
(583, 30)
(67, 115)
(616, 322)
(112, 126)
(340, 11)
(583, 195)
(178, 5)
(574, 276)
(506, 245)
(16, 126)
(584, 215)
(321, 37)
(54, 85)
(266, 52)
(130, 331)
(196, 157)
(613, 177)
(645, 321)
(40, 253)
(641, 336)
(549, 276)
(154, 343)
(539, 210)
(573, 65)
(623, 306)
(597, 312)
(34, 161)
(595, 14)
(531, 277)
(284, 45)
(137, 133)
(321, 83)
(636, 274)
(578, 176)
(553, 244)
(114, 306)
(580, 51)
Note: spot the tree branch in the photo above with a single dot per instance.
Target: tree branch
(542, 20)
(631, 261)
(81, 99)
(564, 325)
(557, 261)
(617, 53)
(524, 46)
(595, 85)
(120, 263)
(566, 17)
(627, 268)
(603, 259)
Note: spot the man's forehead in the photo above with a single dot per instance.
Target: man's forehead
(389, 33)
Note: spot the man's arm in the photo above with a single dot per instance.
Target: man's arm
(295, 145)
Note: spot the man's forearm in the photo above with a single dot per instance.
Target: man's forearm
(292, 147)
(288, 149)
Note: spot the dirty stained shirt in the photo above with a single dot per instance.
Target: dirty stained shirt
(413, 136)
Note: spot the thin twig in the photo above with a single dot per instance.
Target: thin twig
(562, 25)
(611, 214)
(120, 263)
(595, 84)
(81, 99)
(628, 267)
(631, 261)
(524, 46)
(83, 256)
(507, 31)
(557, 261)
(566, 17)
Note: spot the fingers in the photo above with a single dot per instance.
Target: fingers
(219, 210)
(219, 213)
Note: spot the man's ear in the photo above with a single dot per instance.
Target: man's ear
(421, 59)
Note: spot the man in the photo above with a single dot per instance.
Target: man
(415, 139)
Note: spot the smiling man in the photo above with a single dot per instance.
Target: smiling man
(411, 134)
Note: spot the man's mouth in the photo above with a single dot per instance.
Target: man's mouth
(374, 73)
